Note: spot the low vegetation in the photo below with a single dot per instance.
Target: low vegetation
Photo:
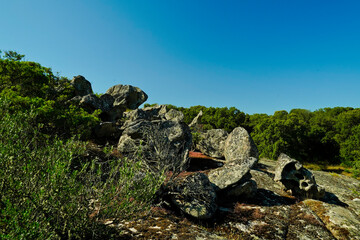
(50, 188)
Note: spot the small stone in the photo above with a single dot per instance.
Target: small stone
(133, 230)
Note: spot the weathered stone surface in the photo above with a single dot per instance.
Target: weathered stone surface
(231, 174)
(127, 144)
(196, 121)
(296, 178)
(193, 195)
(81, 85)
(336, 216)
(212, 142)
(126, 95)
(148, 113)
(340, 221)
(272, 213)
(246, 190)
(158, 226)
(234, 179)
(239, 146)
(107, 102)
(174, 115)
(91, 102)
(165, 143)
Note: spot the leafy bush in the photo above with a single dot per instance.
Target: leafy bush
(47, 192)
(28, 84)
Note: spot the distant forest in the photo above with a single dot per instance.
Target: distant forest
(326, 136)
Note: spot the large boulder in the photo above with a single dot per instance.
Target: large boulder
(127, 96)
(212, 143)
(296, 178)
(91, 102)
(192, 194)
(81, 85)
(163, 143)
(234, 179)
(239, 146)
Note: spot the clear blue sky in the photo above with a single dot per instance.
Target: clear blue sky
(259, 56)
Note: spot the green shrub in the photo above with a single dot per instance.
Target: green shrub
(28, 84)
(46, 190)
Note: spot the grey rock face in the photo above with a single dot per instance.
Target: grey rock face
(81, 85)
(164, 143)
(296, 178)
(90, 102)
(194, 195)
(126, 95)
(197, 120)
(149, 114)
(239, 146)
(234, 178)
(174, 115)
(336, 216)
(107, 102)
(212, 143)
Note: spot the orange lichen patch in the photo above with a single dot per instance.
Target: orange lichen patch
(321, 212)
(199, 155)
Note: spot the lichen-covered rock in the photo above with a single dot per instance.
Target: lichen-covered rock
(194, 195)
(148, 113)
(234, 179)
(174, 115)
(127, 144)
(340, 221)
(212, 143)
(81, 85)
(296, 178)
(164, 143)
(239, 146)
(126, 95)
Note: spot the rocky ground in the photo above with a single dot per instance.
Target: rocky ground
(225, 193)
(271, 214)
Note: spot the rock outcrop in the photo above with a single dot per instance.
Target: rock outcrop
(127, 96)
(193, 195)
(234, 179)
(240, 146)
(163, 143)
(296, 178)
(112, 104)
(81, 85)
(253, 199)
(212, 143)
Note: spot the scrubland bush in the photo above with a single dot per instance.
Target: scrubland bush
(46, 192)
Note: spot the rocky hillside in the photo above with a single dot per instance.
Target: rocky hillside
(222, 191)
(199, 184)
